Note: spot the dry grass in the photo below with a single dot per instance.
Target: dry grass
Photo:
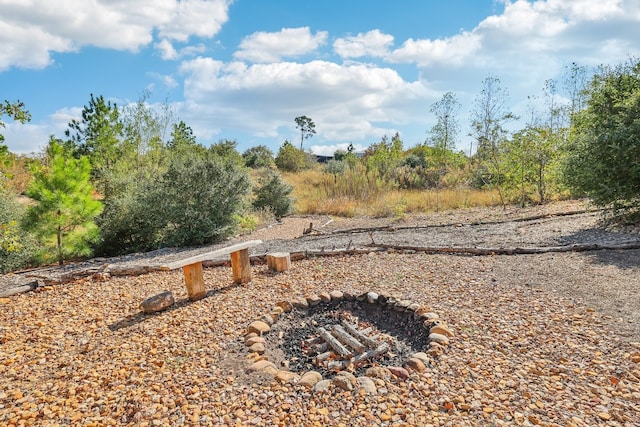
(320, 193)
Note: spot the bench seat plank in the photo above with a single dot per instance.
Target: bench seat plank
(210, 256)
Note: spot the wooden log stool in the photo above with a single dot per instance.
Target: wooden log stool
(279, 261)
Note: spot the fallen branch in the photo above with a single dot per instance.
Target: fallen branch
(512, 251)
(19, 288)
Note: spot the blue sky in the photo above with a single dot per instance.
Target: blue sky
(244, 69)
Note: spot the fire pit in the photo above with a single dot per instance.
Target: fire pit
(335, 333)
(344, 345)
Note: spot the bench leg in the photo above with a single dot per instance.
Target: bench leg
(195, 281)
(241, 266)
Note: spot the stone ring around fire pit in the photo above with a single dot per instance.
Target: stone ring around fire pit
(328, 339)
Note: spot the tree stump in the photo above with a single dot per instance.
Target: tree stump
(241, 266)
(279, 261)
(194, 280)
(157, 302)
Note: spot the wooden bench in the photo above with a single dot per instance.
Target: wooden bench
(192, 267)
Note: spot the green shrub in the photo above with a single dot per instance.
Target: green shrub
(604, 146)
(128, 224)
(200, 197)
(258, 157)
(291, 159)
(17, 247)
(195, 201)
(273, 194)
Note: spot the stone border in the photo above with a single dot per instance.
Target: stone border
(255, 341)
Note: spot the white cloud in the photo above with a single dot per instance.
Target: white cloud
(169, 53)
(202, 18)
(166, 49)
(166, 80)
(32, 137)
(262, 47)
(558, 27)
(31, 30)
(450, 51)
(373, 43)
(347, 102)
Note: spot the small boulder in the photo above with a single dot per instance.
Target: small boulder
(378, 372)
(415, 364)
(441, 329)
(254, 339)
(372, 297)
(313, 300)
(310, 379)
(259, 327)
(342, 382)
(267, 318)
(325, 297)
(263, 366)
(439, 338)
(321, 386)
(158, 302)
(413, 307)
(367, 385)
(422, 356)
(287, 377)
(336, 295)
(257, 348)
(286, 306)
(300, 304)
(401, 373)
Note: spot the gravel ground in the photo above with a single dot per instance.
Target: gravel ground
(549, 339)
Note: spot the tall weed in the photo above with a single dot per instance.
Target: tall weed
(357, 192)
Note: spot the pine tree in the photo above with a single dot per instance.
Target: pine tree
(63, 215)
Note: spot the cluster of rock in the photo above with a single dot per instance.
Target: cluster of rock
(257, 334)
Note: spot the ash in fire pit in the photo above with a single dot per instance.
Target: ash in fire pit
(338, 332)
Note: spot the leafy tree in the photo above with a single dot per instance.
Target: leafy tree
(384, 156)
(258, 157)
(531, 157)
(181, 137)
(443, 136)
(97, 136)
(274, 194)
(291, 159)
(145, 136)
(307, 128)
(576, 82)
(605, 141)
(63, 216)
(489, 119)
(226, 150)
(529, 163)
(348, 157)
